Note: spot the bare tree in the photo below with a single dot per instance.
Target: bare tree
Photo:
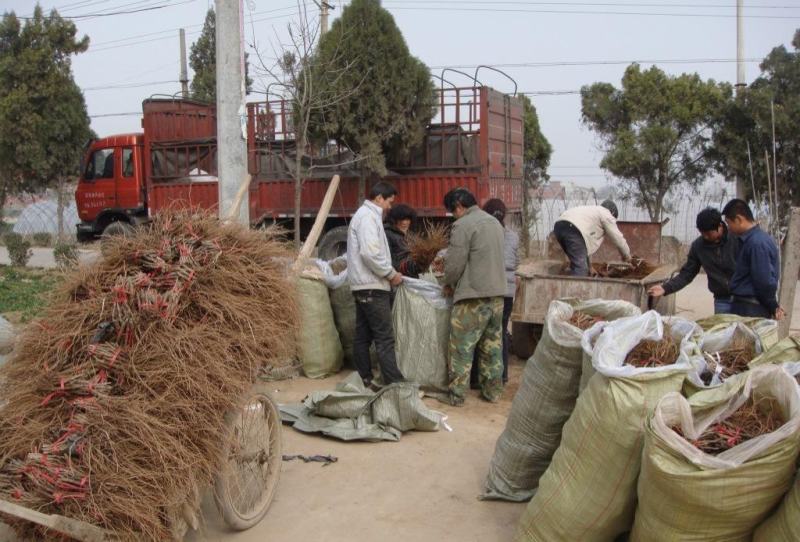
(296, 70)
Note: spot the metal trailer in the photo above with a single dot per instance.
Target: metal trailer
(543, 281)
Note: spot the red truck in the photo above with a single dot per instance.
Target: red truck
(475, 141)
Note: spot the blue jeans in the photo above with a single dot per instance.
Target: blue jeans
(723, 305)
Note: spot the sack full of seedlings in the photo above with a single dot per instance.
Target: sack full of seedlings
(784, 524)
(715, 465)
(320, 349)
(588, 492)
(726, 351)
(545, 398)
(784, 351)
(765, 328)
(421, 318)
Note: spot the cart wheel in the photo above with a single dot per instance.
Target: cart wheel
(246, 485)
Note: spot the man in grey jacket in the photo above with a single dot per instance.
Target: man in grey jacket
(371, 277)
(474, 274)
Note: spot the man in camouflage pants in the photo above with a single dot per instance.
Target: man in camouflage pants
(474, 275)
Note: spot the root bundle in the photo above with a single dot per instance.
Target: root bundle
(754, 418)
(583, 321)
(424, 247)
(730, 361)
(115, 400)
(650, 353)
(639, 269)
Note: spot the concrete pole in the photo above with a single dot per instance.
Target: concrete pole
(323, 18)
(790, 269)
(741, 184)
(231, 114)
(184, 69)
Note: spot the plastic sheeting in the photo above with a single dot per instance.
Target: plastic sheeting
(544, 402)
(42, 217)
(589, 491)
(716, 340)
(353, 412)
(686, 494)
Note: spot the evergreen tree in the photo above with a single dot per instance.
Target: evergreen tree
(387, 94)
(746, 124)
(44, 126)
(203, 60)
(656, 131)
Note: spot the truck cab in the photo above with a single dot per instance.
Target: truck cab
(111, 187)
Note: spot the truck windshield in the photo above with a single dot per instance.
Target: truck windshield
(100, 165)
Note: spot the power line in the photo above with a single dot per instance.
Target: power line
(129, 85)
(560, 63)
(588, 12)
(593, 4)
(130, 114)
(87, 16)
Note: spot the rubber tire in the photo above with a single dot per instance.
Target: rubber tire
(524, 338)
(230, 515)
(333, 243)
(113, 229)
(85, 237)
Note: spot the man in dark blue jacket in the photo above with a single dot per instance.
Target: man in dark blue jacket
(755, 282)
(715, 252)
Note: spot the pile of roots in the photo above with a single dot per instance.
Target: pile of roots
(583, 321)
(730, 361)
(650, 353)
(423, 247)
(754, 418)
(115, 401)
(638, 268)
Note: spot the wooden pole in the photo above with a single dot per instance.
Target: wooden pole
(790, 269)
(319, 223)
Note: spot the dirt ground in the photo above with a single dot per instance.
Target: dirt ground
(422, 488)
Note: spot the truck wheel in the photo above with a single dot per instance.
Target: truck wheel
(114, 229)
(85, 237)
(524, 338)
(333, 243)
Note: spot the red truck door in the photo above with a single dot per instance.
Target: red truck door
(101, 192)
(128, 183)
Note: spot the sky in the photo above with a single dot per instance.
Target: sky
(550, 48)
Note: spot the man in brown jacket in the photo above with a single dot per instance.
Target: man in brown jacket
(474, 274)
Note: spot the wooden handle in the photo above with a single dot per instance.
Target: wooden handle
(237, 201)
(319, 223)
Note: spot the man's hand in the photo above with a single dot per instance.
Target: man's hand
(780, 314)
(656, 291)
(447, 290)
(396, 280)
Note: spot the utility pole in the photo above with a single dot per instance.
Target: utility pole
(184, 69)
(231, 115)
(741, 185)
(323, 16)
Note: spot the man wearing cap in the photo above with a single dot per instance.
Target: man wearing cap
(580, 232)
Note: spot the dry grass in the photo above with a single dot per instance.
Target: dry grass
(115, 399)
(424, 247)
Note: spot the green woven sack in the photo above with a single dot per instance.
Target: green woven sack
(319, 345)
(784, 524)
(688, 495)
(589, 491)
(544, 401)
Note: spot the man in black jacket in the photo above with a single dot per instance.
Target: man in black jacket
(715, 251)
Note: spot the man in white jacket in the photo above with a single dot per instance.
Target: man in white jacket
(371, 277)
(580, 232)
